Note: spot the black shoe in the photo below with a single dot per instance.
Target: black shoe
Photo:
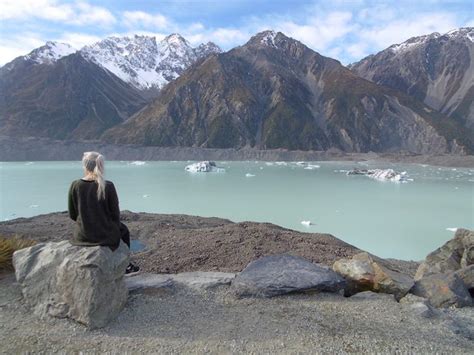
(132, 269)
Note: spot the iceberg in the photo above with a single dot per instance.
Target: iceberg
(137, 162)
(306, 223)
(249, 175)
(382, 174)
(204, 167)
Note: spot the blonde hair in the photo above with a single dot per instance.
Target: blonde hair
(93, 163)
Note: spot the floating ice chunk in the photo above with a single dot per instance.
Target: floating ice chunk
(146, 196)
(137, 162)
(249, 175)
(381, 174)
(204, 167)
(281, 163)
(269, 163)
(34, 206)
(452, 229)
(301, 163)
(29, 163)
(306, 223)
(312, 167)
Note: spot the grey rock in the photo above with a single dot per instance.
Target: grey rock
(452, 256)
(82, 283)
(370, 295)
(422, 310)
(281, 274)
(443, 290)
(467, 275)
(198, 280)
(412, 299)
(364, 273)
(145, 281)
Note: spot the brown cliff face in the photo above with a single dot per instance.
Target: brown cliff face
(70, 98)
(274, 92)
(436, 69)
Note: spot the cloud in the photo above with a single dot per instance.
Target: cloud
(134, 19)
(77, 13)
(78, 40)
(19, 45)
(397, 31)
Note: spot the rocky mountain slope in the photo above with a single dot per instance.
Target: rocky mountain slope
(58, 92)
(145, 63)
(436, 69)
(51, 94)
(274, 92)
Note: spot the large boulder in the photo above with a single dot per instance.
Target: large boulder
(455, 254)
(443, 290)
(280, 274)
(82, 283)
(364, 273)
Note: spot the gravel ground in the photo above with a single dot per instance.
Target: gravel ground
(184, 321)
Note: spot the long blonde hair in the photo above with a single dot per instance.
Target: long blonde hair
(93, 163)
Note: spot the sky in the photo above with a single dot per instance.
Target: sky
(347, 30)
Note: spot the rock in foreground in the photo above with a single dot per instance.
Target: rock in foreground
(82, 283)
(366, 274)
(443, 290)
(455, 254)
(281, 274)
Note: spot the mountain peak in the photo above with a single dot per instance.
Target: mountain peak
(144, 62)
(50, 52)
(267, 38)
(176, 38)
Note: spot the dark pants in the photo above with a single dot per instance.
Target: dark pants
(125, 234)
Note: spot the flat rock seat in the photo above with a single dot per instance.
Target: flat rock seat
(82, 283)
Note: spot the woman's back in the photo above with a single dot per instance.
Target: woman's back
(98, 220)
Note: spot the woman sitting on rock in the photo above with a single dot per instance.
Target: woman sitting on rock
(93, 204)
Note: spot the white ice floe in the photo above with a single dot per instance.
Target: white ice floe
(306, 223)
(204, 167)
(452, 229)
(281, 163)
(249, 175)
(269, 163)
(34, 206)
(146, 196)
(312, 167)
(137, 162)
(382, 174)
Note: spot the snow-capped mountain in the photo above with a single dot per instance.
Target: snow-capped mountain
(145, 63)
(437, 69)
(50, 52)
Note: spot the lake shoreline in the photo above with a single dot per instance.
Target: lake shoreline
(43, 149)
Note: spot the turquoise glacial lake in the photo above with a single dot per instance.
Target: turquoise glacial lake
(390, 219)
